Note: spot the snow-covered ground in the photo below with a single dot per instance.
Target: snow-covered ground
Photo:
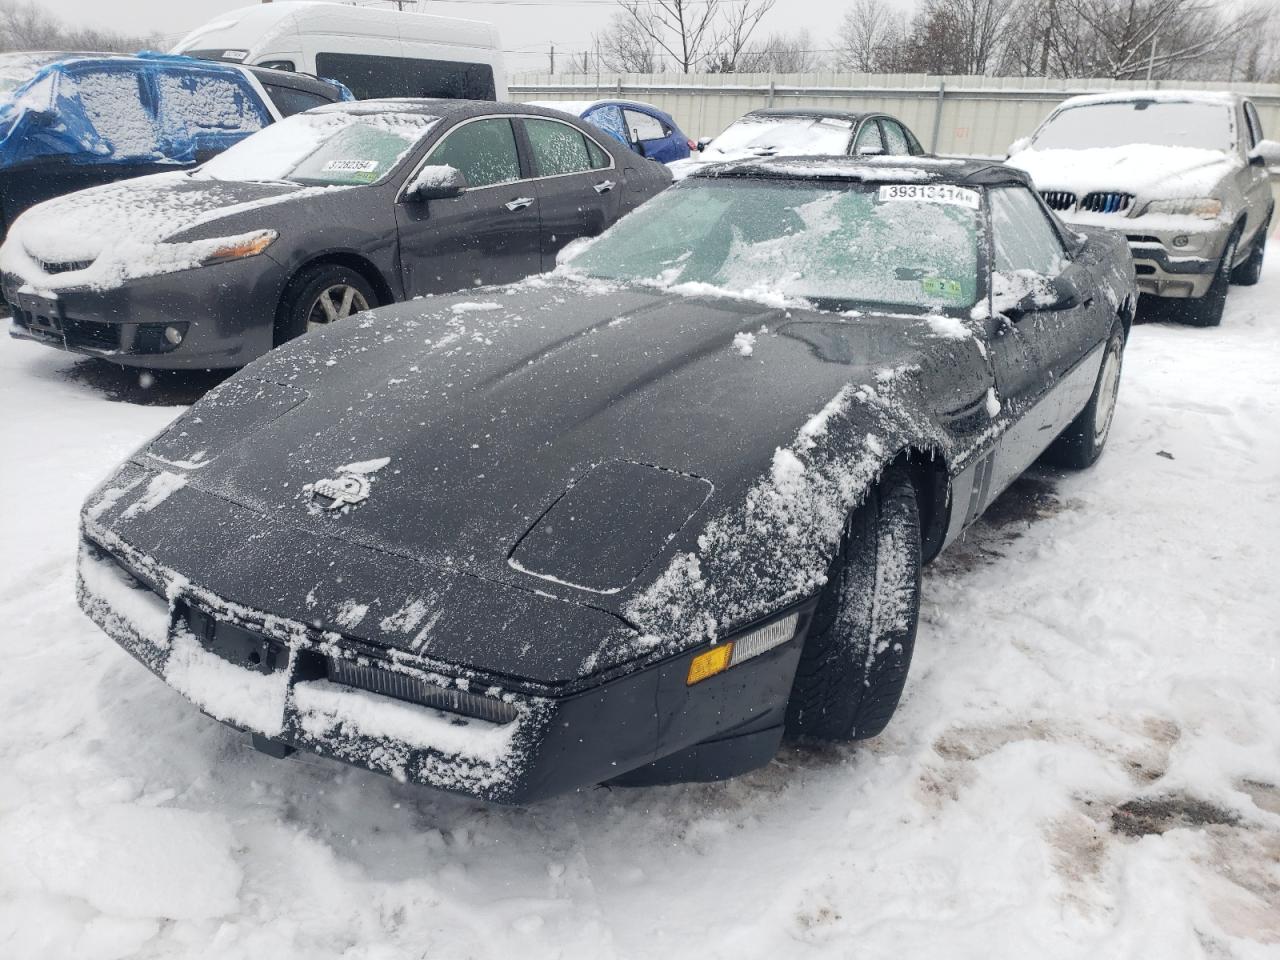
(1086, 763)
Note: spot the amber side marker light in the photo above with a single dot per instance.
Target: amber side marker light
(742, 648)
(249, 247)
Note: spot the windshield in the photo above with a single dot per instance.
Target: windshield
(323, 149)
(839, 247)
(775, 136)
(1167, 123)
(17, 68)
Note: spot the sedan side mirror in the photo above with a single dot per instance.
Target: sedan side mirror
(436, 183)
(1265, 154)
(1015, 295)
(704, 142)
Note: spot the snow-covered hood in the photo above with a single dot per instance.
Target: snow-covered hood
(1147, 171)
(133, 228)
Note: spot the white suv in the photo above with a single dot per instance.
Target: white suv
(1182, 174)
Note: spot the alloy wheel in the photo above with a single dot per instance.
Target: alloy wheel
(335, 303)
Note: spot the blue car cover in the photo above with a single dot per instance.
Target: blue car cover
(149, 108)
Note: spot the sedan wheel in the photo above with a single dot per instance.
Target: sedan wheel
(335, 303)
(1081, 443)
(319, 295)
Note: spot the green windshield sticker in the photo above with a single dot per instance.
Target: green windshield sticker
(940, 287)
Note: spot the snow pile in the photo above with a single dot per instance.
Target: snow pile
(744, 343)
(950, 328)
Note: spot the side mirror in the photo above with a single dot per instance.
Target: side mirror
(1015, 295)
(1265, 154)
(704, 142)
(436, 183)
(639, 147)
(1018, 146)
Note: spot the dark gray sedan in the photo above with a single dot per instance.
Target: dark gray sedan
(322, 215)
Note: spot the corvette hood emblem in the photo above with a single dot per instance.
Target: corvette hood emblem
(349, 488)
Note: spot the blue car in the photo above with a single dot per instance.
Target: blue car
(644, 128)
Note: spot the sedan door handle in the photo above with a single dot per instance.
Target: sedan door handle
(604, 186)
(519, 203)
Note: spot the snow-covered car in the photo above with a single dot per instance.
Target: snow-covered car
(1181, 175)
(647, 130)
(804, 132)
(319, 216)
(74, 120)
(631, 521)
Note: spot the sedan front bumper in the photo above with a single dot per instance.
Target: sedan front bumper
(225, 314)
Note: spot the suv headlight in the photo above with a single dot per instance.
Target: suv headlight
(1206, 208)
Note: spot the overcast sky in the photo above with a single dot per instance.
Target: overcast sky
(525, 25)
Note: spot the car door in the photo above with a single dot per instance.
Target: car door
(1035, 353)
(490, 234)
(895, 138)
(649, 134)
(1257, 180)
(576, 181)
(869, 142)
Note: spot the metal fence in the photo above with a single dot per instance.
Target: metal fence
(977, 116)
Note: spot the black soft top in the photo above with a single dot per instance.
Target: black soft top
(969, 173)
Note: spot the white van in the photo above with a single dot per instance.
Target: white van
(376, 52)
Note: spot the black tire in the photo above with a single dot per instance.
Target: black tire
(1207, 310)
(301, 302)
(1081, 444)
(858, 650)
(1249, 272)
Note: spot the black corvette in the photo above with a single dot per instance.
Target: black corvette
(632, 521)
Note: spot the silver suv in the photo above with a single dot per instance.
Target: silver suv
(1182, 174)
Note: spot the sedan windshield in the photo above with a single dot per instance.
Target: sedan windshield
(844, 246)
(323, 149)
(1166, 123)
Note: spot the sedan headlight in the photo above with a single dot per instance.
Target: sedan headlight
(1206, 208)
(240, 247)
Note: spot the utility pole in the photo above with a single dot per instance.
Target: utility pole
(553, 59)
(1151, 60)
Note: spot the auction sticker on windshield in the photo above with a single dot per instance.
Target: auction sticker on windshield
(351, 166)
(930, 193)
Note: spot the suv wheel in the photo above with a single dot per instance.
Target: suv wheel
(1207, 311)
(1249, 272)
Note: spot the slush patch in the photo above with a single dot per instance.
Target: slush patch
(351, 166)
(940, 287)
(930, 193)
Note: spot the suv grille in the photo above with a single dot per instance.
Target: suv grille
(1107, 202)
(1059, 199)
(411, 689)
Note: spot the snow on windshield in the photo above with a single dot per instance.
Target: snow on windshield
(335, 149)
(859, 244)
(815, 136)
(1207, 126)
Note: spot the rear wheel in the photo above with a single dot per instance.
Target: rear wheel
(1249, 272)
(856, 656)
(1207, 310)
(319, 295)
(1080, 445)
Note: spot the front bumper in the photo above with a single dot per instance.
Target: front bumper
(292, 685)
(1169, 261)
(226, 313)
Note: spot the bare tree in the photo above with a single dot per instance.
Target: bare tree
(683, 29)
(780, 53)
(866, 32)
(733, 32)
(625, 46)
(26, 26)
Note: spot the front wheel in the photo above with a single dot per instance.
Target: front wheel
(1080, 445)
(856, 656)
(319, 295)
(1207, 310)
